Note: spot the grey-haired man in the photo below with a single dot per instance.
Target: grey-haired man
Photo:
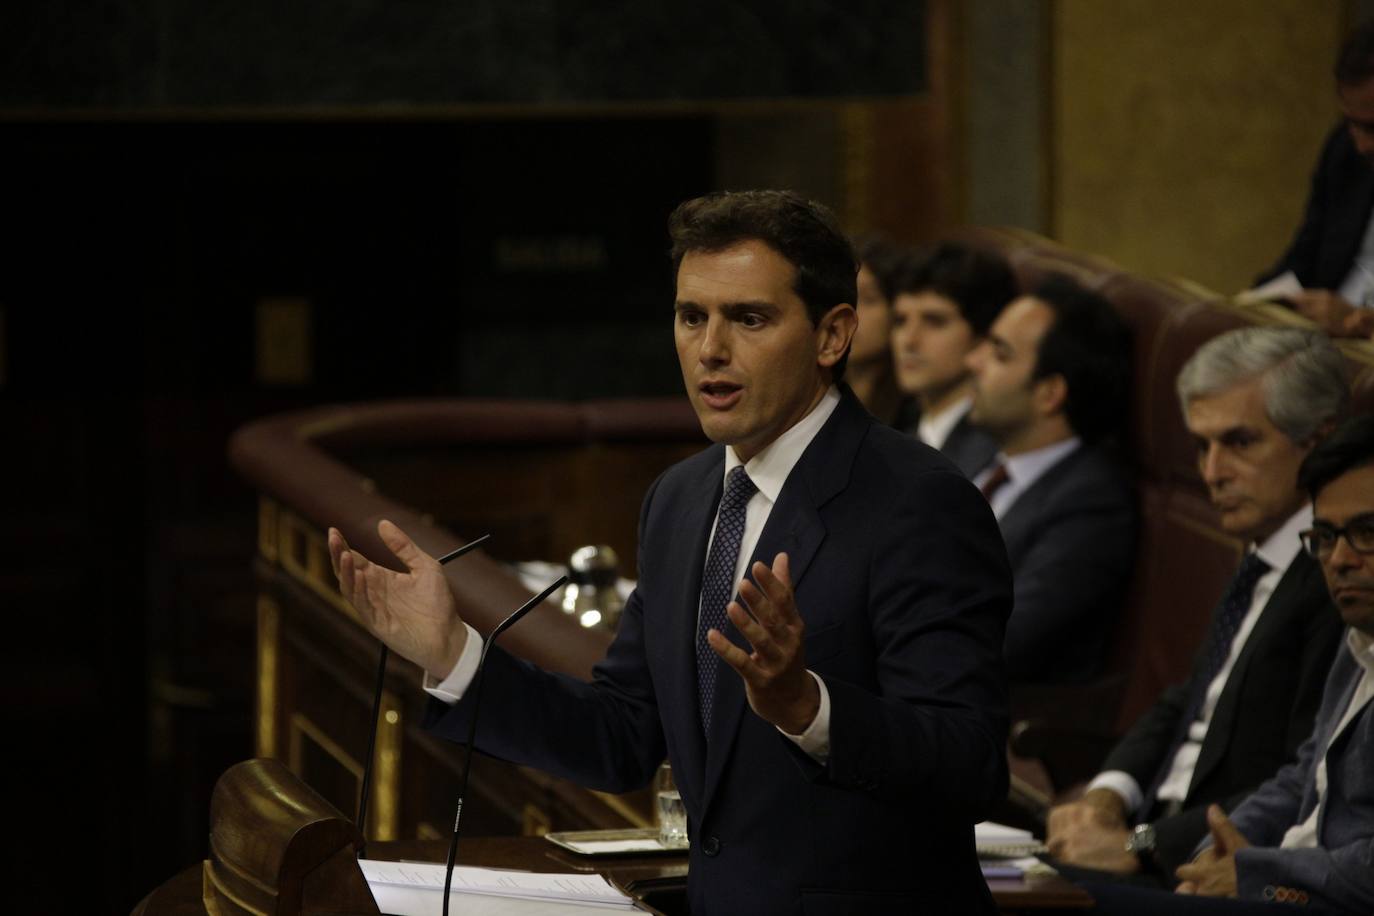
(1256, 400)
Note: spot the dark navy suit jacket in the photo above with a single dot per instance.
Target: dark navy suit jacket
(1336, 217)
(903, 583)
(969, 448)
(1071, 539)
(1263, 714)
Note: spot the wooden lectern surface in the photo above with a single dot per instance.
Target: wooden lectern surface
(639, 875)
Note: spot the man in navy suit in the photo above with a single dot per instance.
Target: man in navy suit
(1306, 836)
(1332, 253)
(1050, 381)
(838, 726)
(1256, 400)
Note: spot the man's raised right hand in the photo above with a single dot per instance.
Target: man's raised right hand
(412, 612)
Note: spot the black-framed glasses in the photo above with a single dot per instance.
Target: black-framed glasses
(1320, 540)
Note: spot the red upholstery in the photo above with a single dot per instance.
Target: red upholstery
(1184, 559)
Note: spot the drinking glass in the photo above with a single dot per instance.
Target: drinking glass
(672, 816)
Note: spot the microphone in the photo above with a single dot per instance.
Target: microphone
(377, 710)
(476, 688)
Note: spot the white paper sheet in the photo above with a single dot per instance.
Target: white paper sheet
(571, 892)
(604, 847)
(427, 901)
(1281, 287)
(993, 839)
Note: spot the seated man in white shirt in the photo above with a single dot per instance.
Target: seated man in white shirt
(1306, 836)
(1050, 383)
(1256, 400)
(943, 304)
(1332, 254)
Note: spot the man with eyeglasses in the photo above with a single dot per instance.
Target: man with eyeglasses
(1307, 835)
(1256, 401)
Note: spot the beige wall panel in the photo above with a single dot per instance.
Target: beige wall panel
(1184, 131)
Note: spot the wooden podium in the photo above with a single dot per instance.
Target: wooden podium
(273, 835)
(278, 849)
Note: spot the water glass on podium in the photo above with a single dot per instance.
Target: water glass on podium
(672, 816)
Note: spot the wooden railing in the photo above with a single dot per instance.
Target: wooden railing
(542, 478)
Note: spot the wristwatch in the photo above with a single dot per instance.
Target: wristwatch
(1141, 842)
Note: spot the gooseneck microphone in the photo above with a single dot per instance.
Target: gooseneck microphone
(377, 710)
(476, 688)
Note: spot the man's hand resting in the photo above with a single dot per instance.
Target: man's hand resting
(412, 612)
(1092, 833)
(776, 681)
(1213, 872)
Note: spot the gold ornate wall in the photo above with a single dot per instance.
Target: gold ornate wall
(1182, 133)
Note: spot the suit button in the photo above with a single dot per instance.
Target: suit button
(710, 846)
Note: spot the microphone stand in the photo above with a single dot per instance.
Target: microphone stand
(476, 688)
(377, 710)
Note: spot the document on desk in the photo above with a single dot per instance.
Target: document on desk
(995, 840)
(1281, 287)
(416, 889)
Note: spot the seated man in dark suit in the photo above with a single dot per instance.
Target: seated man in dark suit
(1332, 254)
(1307, 835)
(1050, 381)
(838, 724)
(943, 304)
(1256, 400)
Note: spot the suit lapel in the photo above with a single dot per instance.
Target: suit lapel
(1286, 600)
(794, 527)
(689, 543)
(1025, 513)
(969, 449)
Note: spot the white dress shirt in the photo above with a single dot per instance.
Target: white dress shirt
(1361, 646)
(1279, 551)
(1023, 470)
(934, 429)
(768, 470)
(1358, 286)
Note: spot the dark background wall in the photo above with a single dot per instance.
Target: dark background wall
(141, 53)
(218, 211)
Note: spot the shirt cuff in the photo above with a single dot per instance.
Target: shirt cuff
(450, 690)
(815, 741)
(1123, 784)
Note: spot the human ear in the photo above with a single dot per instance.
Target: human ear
(1051, 393)
(834, 332)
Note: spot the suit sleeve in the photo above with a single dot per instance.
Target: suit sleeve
(605, 734)
(1340, 877)
(1141, 750)
(935, 732)
(1069, 588)
(1301, 256)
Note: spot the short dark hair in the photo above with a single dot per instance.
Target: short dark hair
(1351, 446)
(885, 258)
(1355, 63)
(1090, 346)
(804, 232)
(978, 281)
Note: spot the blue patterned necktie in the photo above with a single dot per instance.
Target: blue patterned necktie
(718, 582)
(1234, 606)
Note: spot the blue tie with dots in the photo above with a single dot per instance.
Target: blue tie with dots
(718, 582)
(1234, 606)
